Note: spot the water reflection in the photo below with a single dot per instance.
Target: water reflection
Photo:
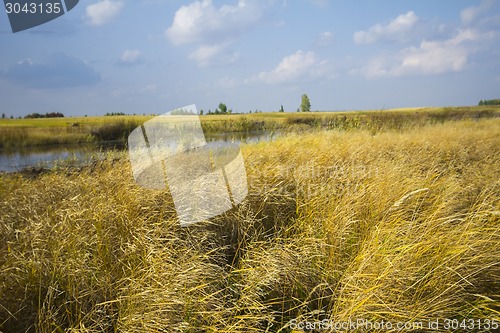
(47, 157)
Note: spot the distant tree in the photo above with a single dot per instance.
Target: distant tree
(490, 102)
(222, 108)
(3, 115)
(201, 112)
(281, 109)
(305, 105)
(481, 103)
(114, 114)
(33, 115)
(11, 117)
(47, 115)
(54, 115)
(298, 109)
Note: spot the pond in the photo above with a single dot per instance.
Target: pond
(47, 157)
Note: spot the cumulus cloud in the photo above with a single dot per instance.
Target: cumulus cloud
(58, 71)
(298, 66)
(469, 15)
(429, 58)
(202, 21)
(398, 30)
(102, 12)
(130, 57)
(213, 29)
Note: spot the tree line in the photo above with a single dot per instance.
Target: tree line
(305, 106)
(221, 109)
(489, 102)
(46, 115)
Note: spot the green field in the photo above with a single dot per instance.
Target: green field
(25, 133)
(382, 216)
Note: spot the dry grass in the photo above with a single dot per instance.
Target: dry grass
(397, 226)
(24, 133)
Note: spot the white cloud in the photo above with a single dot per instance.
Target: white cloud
(202, 21)
(103, 11)
(325, 39)
(207, 55)
(213, 29)
(298, 66)
(430, 58)
(398, 30)
(468, 15)
(130, 57)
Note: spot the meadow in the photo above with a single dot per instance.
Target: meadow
(27, 133)
(374, 217)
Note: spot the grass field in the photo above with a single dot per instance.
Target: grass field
(395, 222)
(26, 133)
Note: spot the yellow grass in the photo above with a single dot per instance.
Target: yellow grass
(399, 226)
(25, 133)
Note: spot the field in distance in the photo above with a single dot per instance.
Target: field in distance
(25, 133)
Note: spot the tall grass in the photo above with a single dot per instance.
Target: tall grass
(26, 133)
(24, 137)
(23, 133)
(115, 131)
(400, 226)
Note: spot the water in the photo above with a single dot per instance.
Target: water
(47, 157)
(12, 161)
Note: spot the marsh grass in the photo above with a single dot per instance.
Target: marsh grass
(24, 137)
(398, 226)
(24, 133)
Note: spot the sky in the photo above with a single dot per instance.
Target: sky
(152, 56)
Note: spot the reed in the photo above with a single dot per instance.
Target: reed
(400, 226)
(24, 133)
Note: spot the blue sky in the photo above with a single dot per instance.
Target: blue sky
(151, 56)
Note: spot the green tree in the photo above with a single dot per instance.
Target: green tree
(222, 108)
(281, 109)
(201, 112)
(3, 115)
(305, 105)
